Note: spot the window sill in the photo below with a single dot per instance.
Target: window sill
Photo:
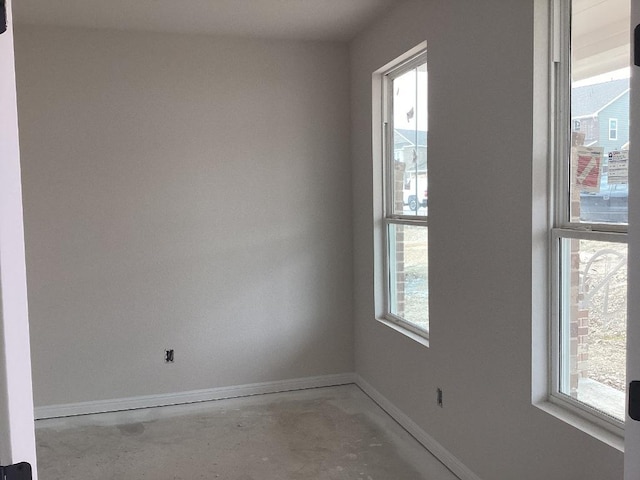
(596, 431)
(407, 333)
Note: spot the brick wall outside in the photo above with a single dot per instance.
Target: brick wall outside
(398, 205)
(579, 311)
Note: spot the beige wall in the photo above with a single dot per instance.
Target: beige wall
(183, 192)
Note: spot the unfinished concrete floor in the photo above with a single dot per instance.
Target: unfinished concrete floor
(325, 433)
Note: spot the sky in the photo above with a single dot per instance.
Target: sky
(404, 100)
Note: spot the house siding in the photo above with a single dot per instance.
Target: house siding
(620, 111)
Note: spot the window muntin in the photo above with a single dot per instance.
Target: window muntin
(405, 120)
(589, 241)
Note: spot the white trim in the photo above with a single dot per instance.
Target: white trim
(405, 57)
(147, 401)
(597, 235)
(589, 412)
(391, 72)
(420, 336)
(587, 116)
(563, 227)
(427, 441)
(583, 424)
(406, 328)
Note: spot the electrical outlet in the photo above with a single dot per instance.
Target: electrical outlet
(439, 397)
(168, 356)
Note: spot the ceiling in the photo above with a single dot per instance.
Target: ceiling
(601, 37)
(338, 20)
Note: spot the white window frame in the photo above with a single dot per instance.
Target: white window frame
(389, 217)
(562, 227)
(613, 127)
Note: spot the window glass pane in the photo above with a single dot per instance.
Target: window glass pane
(593, 324)
(598, 178)
(409, 142)
(613, 129)
(408, 267)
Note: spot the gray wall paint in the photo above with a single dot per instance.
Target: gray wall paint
(481, 81)
(139, 153)
(186, 192)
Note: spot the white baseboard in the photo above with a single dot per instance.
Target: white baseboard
(441, 453)
(146, 401)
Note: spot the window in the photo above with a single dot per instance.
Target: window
(405, 193)
(590, 198)
(613, 129)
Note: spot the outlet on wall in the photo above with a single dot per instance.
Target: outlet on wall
(168, 356)
(439, 397)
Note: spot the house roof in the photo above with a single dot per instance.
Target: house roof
(408, 137)
(589, 100)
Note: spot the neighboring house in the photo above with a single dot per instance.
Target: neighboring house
(601, 112)
(404, 144)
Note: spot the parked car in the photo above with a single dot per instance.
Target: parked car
(609, 205)
(416, 195)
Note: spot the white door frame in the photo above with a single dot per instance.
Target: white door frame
(632, 428)
(17, 438)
